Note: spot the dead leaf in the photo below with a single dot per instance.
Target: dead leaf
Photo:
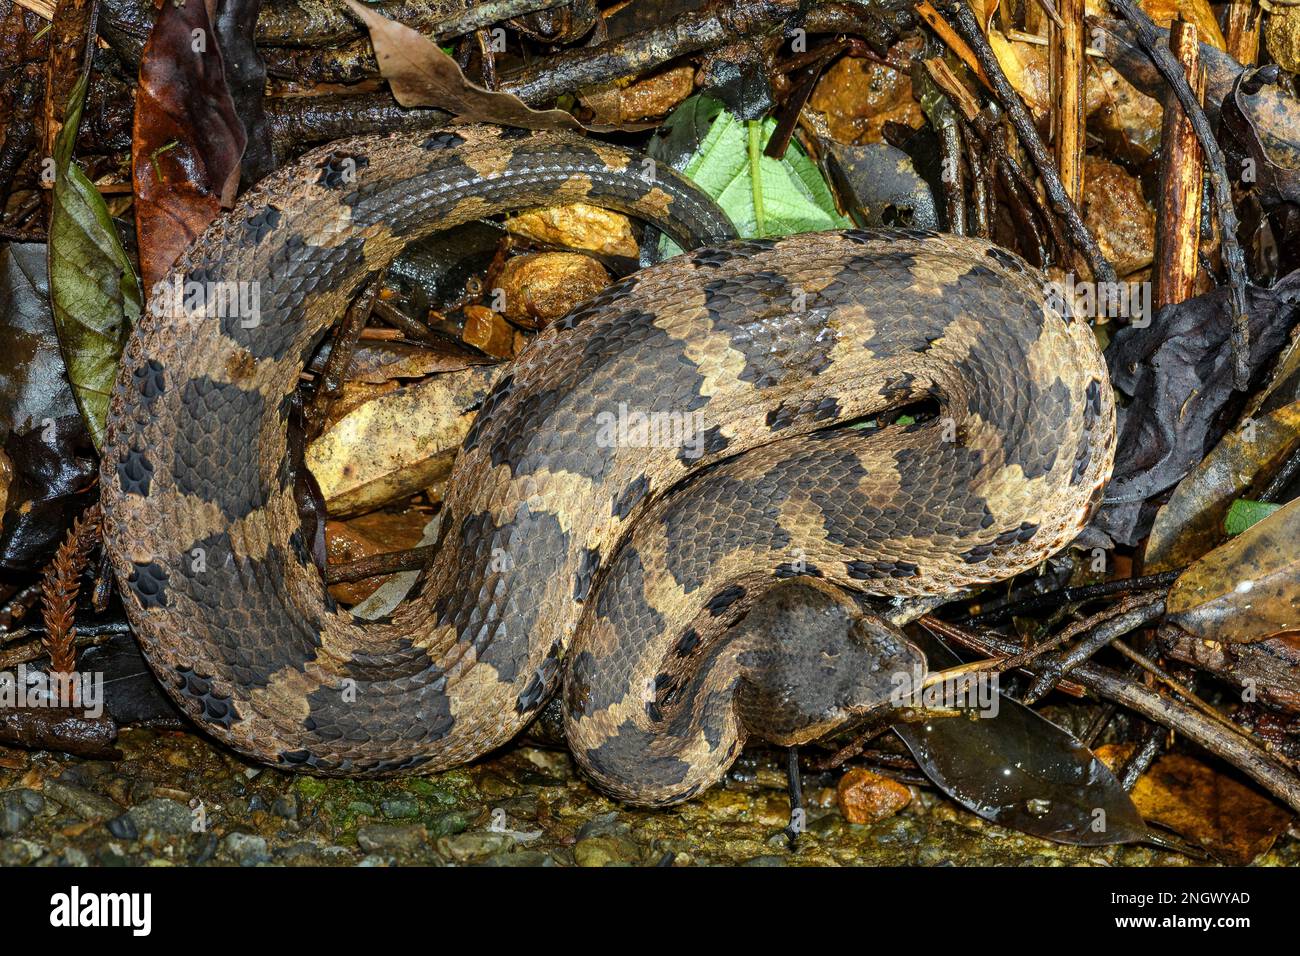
(421, 74)
(398, 443)
(1229, 819)
(1191, 522)
(188, 140)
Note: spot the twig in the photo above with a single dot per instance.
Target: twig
(341, 351)
(1242, 32)
(1178, 239)
(390, 562)
(1060, 664)
(1066, 59)
(1139, 761)
(1072, 595)
(960, 14)
(584, 67)
(1233, 258)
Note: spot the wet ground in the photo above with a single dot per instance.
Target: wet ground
(176, 799)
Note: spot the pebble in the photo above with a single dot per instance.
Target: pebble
(162, 816)
(286, 806)
(19, 852)
(866, 797)
(604, 851)
(391, 837)
(399, 808)
(84, 803)
(123, 827)
(474, 846)
(245, 848)
(17, 807)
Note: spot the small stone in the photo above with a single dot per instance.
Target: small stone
(520, 858)
(286, 806)
(162, 816)
(449, 824)
(123, 827)
(84, 803)
(17, 807)
(399, 808)
(390, 837)
(298, 854)
(604, 851)
(73, 856)
(19, 852)
(866, 797)
(474, 846)
(245, 848)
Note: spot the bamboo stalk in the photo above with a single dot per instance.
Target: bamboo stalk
(1066, 65)
(1243, 31)
(1178, 236)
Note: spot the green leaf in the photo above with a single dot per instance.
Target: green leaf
(1243, 513)
(93, 286)
(763, 196)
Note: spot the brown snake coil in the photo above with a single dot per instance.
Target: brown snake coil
(576, 545)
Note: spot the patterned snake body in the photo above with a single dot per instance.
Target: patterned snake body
(614, 564)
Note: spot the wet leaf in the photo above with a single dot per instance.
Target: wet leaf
(1020, 770)
(93, 287)
(787, 196)
(1245, 513)
(41, 430)
(1192, 521)
(188, 141)
(1264, 117)
(235, 23)
(1245, 590)
(1229, 819)
(879, 185)
(421, 74)
(1177, 371)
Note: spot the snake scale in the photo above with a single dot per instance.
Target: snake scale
(613, 569)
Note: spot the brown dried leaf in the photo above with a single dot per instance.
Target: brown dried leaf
(398, 443)
(378, 362)
(188, 140)
(421, 74)
(1229, 819)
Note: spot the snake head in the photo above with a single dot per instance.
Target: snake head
(817, 663)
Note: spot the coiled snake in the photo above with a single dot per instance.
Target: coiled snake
(571, 550)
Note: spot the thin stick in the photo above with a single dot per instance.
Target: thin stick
(1243, 31)
(960, 15)
(1178, 240)
(341, 352)
(1145, 32)
(1073, 595)
(1066, 61)
(411, 559)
